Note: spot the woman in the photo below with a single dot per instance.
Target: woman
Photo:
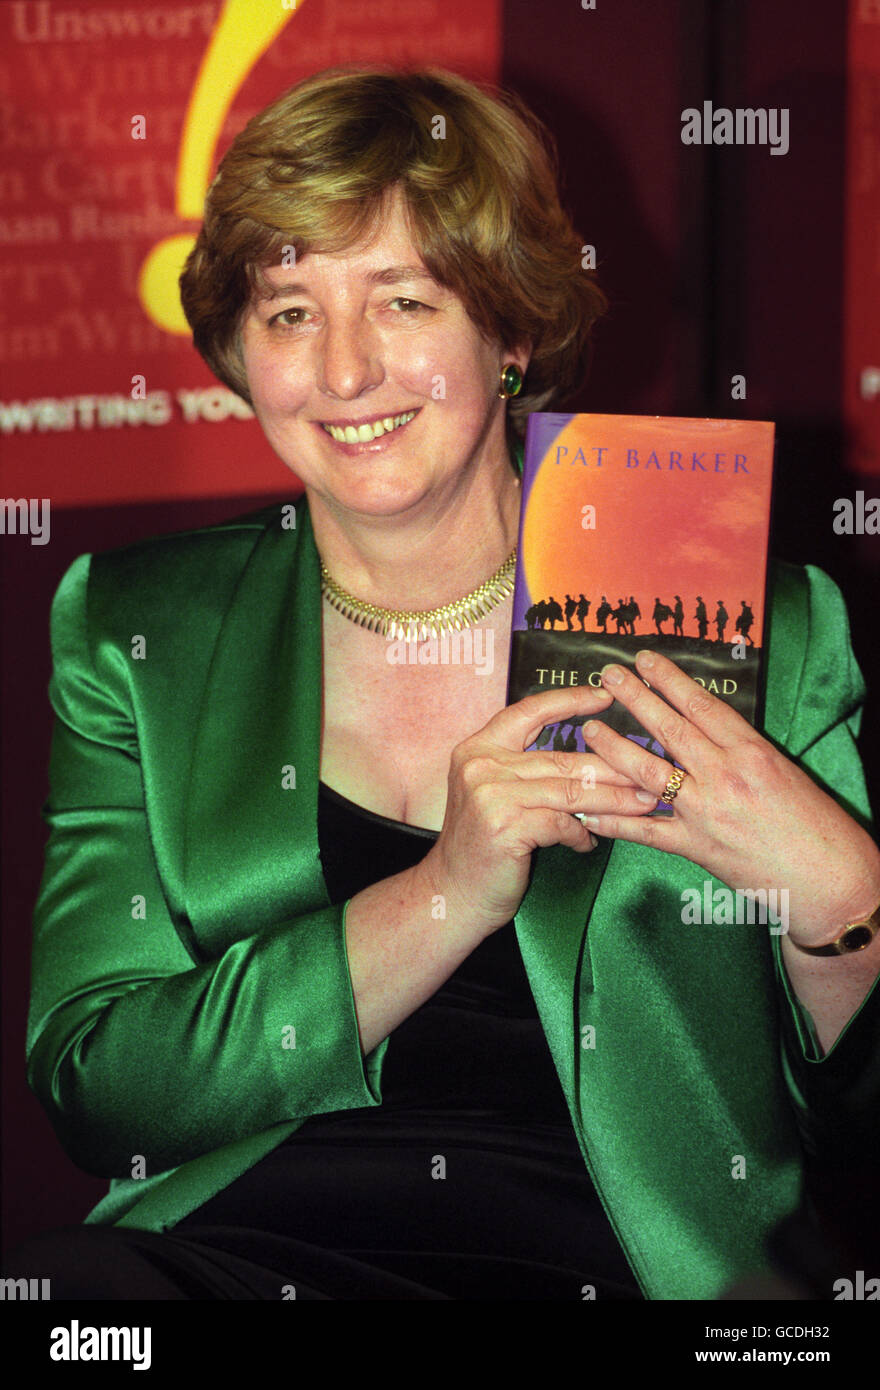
(277, 993)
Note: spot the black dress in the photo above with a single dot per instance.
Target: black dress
(467, 1182)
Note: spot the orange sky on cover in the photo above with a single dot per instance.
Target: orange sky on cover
(658, 532)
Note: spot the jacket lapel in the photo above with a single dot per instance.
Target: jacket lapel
(551, 928)
(250, 853)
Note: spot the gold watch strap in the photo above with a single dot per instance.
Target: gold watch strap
(854, 937)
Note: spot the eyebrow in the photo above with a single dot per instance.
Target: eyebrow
(390, 275)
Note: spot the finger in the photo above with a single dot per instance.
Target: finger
(639, 766)
(562, 794)
(587, 768)
(657, 832)
(715, 719)
(672, 730)
(558, 829)
(517, 726)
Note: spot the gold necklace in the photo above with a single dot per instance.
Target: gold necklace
(433, 622)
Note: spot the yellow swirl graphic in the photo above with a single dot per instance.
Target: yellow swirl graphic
(243, 32)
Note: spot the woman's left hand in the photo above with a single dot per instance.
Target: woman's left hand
(745, 813)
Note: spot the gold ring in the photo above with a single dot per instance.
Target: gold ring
(673, 786)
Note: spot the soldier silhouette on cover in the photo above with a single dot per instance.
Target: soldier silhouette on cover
(619, 616)
(553, 613)
(583, 609)
(627, 612)
(744, 622)
(678, 617)
(721, 619)
(662, 611)
(603, 613)
(532, 615)
(702, 618)
(570, 606)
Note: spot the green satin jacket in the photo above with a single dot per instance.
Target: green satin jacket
(183, 924)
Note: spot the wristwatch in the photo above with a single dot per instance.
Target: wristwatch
(854, 937)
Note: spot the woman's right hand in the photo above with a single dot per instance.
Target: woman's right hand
(504, 802)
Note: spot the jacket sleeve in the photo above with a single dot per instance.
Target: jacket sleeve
(133, 1048)
(836, 1098)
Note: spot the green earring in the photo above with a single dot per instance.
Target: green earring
(511, 381)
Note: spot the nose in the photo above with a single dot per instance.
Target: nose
(350, 359)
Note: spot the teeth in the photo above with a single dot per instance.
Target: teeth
(362, 434)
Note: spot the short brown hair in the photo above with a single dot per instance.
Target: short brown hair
(478, 175)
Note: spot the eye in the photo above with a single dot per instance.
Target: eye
(297, 316)
(409, 306)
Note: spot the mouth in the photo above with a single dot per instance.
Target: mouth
(367, 431)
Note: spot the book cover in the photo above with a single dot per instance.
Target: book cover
(637, 532)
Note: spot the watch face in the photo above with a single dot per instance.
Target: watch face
(857, 938)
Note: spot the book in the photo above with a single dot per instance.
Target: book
(639, 532)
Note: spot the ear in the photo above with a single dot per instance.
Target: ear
(521, 355)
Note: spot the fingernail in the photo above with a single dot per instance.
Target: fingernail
(646, 797)
(612, 675)
(591, 728)
(594, 842)
(591, 822)
(645, 658)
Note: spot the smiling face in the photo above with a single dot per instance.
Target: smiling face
(370, 380)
